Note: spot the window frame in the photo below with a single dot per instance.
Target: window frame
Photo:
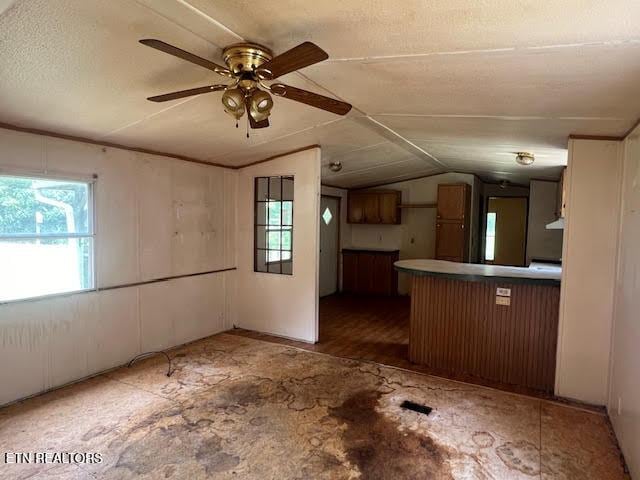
(90, 181)
(279, 228)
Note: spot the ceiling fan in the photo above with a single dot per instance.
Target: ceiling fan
(249, 66)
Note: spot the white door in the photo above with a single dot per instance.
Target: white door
(329, 225)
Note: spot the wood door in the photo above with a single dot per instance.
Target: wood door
(450, 241)
(509, 233)
(355, 207)
(453, 201)
(388, 207)
(350, 272)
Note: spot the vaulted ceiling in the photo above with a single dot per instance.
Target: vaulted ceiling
(444, 85)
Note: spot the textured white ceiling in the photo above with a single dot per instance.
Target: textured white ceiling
(439, 85)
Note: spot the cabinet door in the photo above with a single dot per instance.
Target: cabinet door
(388, 206)
(383, 275)
(450, 241)
(350, 272)
(371, 207)
(452, 201)
(366, 273)
(356, 207)
(561, 195)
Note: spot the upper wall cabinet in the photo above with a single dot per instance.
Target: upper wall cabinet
(379, 207)
(453, 201)
(561, 195)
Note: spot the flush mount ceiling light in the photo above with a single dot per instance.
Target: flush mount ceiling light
(249, 67)
(335, 166)
(525, 158)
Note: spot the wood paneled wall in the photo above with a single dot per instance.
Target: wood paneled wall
(457, 326)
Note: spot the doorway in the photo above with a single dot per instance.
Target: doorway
(506, 231)
(329, 244)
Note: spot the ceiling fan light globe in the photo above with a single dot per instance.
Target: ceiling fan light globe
(261, 102)
(233, 100)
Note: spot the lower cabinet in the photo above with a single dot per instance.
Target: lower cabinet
(369, 272)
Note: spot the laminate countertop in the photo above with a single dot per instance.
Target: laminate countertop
(536, 274)
(372, 250)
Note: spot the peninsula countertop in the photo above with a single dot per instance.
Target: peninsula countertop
(536, 274)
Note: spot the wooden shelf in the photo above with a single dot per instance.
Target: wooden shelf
(418, 205)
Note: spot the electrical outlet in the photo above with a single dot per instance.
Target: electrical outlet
(503, 301)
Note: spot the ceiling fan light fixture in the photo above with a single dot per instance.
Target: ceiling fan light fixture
(233, 101)
(525, 158)
(260, 105)
(261, 102)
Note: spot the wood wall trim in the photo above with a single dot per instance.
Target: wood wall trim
(630, 131)
(273, 157)
(328, 185)
(75, 138)
(608, 138)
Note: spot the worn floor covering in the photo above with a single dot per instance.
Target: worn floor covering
(246, 409)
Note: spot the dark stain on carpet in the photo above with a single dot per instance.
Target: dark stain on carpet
(375, 445)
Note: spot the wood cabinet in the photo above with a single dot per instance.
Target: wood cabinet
(453, 222)
(561, 195)
(380, 207)
(369, 272)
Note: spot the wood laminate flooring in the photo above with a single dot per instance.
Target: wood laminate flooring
(376, 328)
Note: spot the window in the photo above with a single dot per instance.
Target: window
(490, 239)
(46, 237)
(274, 225)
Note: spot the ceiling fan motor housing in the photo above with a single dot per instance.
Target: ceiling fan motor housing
(245, 57)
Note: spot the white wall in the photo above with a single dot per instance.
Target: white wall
(415, 237)
(588, 275)
(285, 305)
(543, 244)
(155, 217)
(625, 357)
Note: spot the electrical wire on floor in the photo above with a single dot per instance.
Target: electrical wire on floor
(150, 354)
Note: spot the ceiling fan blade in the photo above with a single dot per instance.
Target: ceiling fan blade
(298, 57)
(310, 98)
(189, 57)
(186, 93)
(252, 122)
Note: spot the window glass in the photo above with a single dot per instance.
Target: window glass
(490, 240)
(46, 237)
(274, 225)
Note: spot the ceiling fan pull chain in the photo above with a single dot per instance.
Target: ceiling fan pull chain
(248, 124)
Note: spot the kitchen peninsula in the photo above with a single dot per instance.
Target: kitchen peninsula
(495, 323)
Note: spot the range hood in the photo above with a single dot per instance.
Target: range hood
(556, 225)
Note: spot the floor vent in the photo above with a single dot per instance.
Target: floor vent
(416, 407)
